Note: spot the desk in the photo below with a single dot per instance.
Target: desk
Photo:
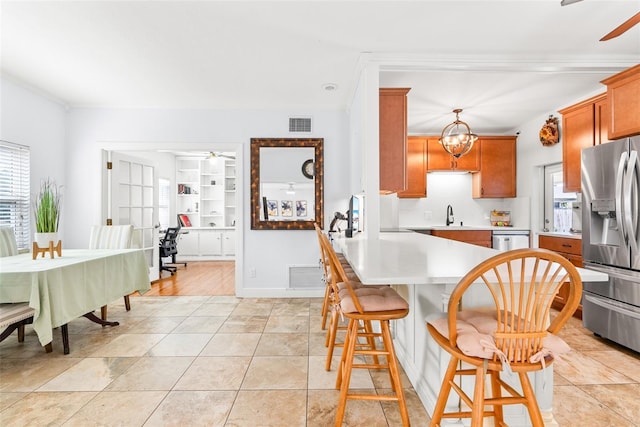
(424, 270)
(67, 287)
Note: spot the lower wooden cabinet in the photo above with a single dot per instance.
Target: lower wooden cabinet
(570, 249)
(474, 237)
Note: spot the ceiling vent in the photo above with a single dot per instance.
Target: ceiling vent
(300, 124)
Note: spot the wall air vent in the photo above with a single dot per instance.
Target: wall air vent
(305, 277)
(300, 124)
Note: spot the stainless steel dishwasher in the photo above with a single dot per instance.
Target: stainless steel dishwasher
(505, 240)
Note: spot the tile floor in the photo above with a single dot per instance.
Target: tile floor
(224, 361)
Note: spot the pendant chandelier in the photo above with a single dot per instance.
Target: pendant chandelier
(457, 138)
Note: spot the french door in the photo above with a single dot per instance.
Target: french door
(130, 196)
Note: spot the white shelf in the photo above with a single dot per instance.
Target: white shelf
(205, 197)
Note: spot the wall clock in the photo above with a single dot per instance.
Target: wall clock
(307, 168)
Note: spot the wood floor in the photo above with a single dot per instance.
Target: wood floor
(200, 278)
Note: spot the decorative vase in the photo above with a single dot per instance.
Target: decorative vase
(46, 243)
(43, 239)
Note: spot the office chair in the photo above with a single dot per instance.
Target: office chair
(169, 248)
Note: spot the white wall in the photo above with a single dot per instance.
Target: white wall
(39, 122)
(268, 252)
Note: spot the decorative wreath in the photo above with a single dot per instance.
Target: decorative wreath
(549, 134)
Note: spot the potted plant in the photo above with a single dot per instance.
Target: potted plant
(47, 213)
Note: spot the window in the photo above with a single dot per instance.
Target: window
(14, 191)
(164, 189)
(561, 210)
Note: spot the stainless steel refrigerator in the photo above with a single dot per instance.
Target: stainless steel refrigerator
(611, 239)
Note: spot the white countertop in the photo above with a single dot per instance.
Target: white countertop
(558, 234)
(469, 227)
(414, 258)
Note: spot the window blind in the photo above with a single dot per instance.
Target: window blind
(15, 198)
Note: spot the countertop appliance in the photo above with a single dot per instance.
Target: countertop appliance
(611, 239)
(505, 240)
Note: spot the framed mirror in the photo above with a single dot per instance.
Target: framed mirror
(287, 189)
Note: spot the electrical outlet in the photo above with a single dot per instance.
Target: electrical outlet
(428, 215)
(252, 272)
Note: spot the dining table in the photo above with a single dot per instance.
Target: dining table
(63, 288)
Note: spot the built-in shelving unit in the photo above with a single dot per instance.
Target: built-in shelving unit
(206, 195)
(206, 191)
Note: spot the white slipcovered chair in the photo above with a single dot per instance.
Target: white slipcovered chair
(8, 245)
(12, 315)
(111, 237)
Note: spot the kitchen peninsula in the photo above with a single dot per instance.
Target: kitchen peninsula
(424, 270)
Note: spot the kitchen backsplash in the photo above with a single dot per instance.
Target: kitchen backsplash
(450, 189)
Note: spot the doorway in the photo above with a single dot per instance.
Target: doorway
(230, 270)
(562, 211)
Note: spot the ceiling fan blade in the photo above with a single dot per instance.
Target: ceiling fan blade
(568, 2)
(622, 27)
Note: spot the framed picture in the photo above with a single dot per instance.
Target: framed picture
(287, 207)
(272, 207)
(301, 208)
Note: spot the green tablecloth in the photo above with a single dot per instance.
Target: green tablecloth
(66, 287)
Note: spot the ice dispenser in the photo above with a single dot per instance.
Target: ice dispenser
(604, 228)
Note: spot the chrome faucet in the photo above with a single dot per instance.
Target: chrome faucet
(449, 215)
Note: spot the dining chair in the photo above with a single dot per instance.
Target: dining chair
(111, 237)
(8, 246)
(12, 315)
(517, 334)
(362, 306)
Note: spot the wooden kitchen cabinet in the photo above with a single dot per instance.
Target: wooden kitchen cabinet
(393, 139)
(416, 168)
(439, 160)
(623, 95)
(474, 237)
(570, 249)
(601, 120)
(579, 130)
(497, 176)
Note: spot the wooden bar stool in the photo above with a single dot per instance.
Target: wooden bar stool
(326, 277)
(335, 284)
(516, 335)
(361, 307)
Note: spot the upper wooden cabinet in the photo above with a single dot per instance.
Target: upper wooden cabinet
(393, 139)
(497, 176)
(416, 168)
(601, 111)
(439, 160)
(623, 94)
(580, 130)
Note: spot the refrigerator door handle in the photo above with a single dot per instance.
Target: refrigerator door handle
(630, 200)
(612, 272)
(612, 307)
(619, 195)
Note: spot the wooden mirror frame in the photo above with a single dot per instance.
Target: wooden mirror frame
(317, 145)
